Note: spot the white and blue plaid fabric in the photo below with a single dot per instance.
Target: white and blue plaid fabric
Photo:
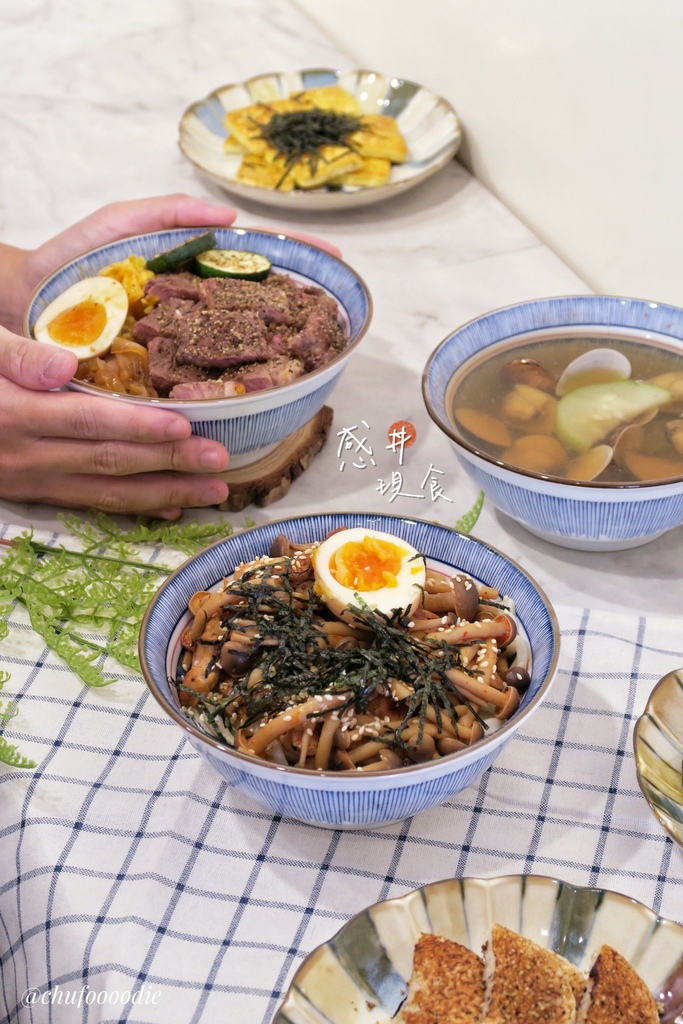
(136, 886)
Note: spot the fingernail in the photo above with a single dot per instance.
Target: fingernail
(213, 458)
(59, 366)
(214, 494)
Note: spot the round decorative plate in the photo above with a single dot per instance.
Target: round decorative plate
(658, 748)
(428, 123)
(360, 975)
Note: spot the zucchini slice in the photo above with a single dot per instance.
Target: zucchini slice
(250, 266)
(173, 259)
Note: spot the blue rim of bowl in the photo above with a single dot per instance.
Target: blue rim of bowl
(245, 400)
(275, 527)
(444, 423)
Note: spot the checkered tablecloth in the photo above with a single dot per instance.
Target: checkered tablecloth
(127, 867)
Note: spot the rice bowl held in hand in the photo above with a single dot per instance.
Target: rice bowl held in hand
(244, 332)
(267, 651)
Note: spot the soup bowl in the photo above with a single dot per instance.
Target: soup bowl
(585, 515)
(252, 424)
(346, 800)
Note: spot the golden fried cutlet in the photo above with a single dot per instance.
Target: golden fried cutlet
(525, 983)
(616, 993)
(446, 986)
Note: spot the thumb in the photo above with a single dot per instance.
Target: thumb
(33, 365)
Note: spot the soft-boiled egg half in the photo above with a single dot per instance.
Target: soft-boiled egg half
(85, 318)
(384, 571)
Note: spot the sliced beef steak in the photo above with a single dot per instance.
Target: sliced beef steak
(214, 337)
(233, 294)
(163, 321)
(174, 286)
(209, 337)
(301, 298)
(321, 339)
(164, 370)
(207, 389)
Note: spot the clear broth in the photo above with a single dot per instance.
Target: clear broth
(481, 384)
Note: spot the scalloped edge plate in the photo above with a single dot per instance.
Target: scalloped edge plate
(428, 122)
(360, 975)
(658, 749)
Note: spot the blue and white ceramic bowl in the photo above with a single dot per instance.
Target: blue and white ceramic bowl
(586, 516)
(360, 975)
(249, 425)
(330, 799)
(428, 123)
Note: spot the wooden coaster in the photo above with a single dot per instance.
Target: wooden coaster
(268, 479)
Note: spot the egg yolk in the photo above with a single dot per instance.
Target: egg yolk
(367, 565)
(79, 325)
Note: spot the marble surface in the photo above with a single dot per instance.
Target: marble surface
(91, 99)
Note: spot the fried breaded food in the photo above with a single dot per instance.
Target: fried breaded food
(616, 993)
(525, 983)
(446, 985)
(373, 171)
(380, 136)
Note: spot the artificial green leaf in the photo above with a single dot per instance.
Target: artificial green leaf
(467, 522)
(11, 756)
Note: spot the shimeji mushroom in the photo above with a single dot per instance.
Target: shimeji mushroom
(505, 701)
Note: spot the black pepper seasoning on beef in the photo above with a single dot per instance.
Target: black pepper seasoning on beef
(301, 298)
(320, 340)
(216, 338)
(261, 334)
(163, 321)
(234, 294)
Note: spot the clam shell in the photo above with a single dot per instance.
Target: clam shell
(597, 366)
(589, 465)
(630, 437)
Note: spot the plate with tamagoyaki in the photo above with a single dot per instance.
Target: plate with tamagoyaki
(320, 139)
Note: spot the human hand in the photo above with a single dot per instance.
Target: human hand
(117, 220)
(81, 451)
(22, 270)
